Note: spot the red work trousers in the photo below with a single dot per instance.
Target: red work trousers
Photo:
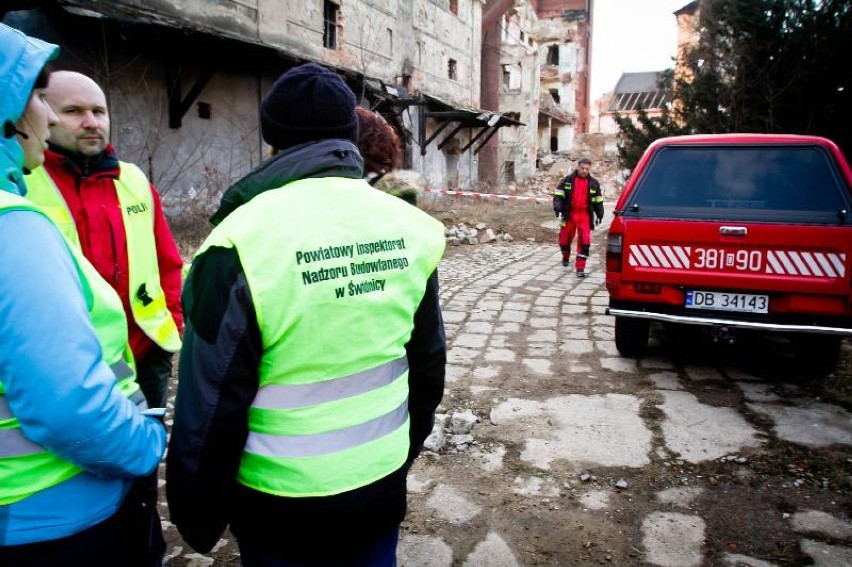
(579, 223)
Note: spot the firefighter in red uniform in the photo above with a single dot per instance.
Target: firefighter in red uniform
(578, 202)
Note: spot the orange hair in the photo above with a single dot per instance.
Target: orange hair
(378, 142)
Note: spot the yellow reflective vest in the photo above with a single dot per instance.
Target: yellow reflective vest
(28, 468)
(147, 299)
(335, 289)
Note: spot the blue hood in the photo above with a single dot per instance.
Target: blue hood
(21, 60)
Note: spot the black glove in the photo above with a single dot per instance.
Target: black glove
(556, 212)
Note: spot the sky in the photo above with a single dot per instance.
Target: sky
(631, 36)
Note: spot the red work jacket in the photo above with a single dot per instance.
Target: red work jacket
(92, 199)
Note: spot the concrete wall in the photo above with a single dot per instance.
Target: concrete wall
(561, 77)
(203, 156)
(572, 77)
(441, 36)
(438, 37)
(398, 41)
(520, 57)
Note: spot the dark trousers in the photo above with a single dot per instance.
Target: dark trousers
(141, 534)
(153, 373)
(131, 537)
(142, 531)
(378, 553)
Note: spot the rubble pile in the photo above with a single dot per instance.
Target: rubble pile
(555, 166)
(452, 430)
(480, 233)
(551, 170)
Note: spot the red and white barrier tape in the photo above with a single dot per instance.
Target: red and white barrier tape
(489, 195)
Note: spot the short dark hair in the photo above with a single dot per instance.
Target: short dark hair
(584, 160)
(41, 80)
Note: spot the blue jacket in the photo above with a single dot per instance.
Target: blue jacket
(56, 381)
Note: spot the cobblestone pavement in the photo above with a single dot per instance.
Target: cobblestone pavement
(582, 457)
(552, 449)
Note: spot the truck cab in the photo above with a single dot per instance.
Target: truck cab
(735, 232)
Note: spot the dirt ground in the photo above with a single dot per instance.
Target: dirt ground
(746, 505)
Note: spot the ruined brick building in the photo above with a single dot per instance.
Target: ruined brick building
(184, 78)
(545, 54)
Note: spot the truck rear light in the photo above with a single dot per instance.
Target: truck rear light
(613, 252)
(647, 287)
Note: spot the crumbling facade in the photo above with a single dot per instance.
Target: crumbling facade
(519, 92)
(565, 39)
(184, 79)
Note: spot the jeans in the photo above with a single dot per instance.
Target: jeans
(379, 553)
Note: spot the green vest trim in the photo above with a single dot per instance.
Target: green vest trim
(29, 468)
(335, 297)
(147, 299)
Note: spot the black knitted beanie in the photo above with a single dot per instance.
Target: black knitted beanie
(306, 104)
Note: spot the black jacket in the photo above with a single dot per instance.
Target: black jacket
(218, 380)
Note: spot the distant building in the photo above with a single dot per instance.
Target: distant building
(687, 34)
(564, 33)
(519, 92)
(634, 92)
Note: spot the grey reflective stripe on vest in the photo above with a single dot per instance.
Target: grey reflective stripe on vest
(14, 444)
(121, 369)
(294, 446)
(138, 399)
(289, 396)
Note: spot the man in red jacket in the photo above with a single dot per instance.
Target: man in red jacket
(115, 213)
(578, 202)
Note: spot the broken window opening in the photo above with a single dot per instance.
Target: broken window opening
(331, 12)
(452, 70)
(204, 110)
(553, 55)
(509, 171)
(554, 93)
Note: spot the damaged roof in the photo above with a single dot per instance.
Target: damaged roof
(690, 8)
(639, 91)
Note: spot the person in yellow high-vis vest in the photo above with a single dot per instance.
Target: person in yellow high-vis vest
(314, 353)
(73, 429)
(111, 210)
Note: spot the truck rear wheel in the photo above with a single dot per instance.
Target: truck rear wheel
(631, 335)
(816, 355)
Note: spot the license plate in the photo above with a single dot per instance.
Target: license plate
(724, 301)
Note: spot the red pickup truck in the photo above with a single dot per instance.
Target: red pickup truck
(736, 232)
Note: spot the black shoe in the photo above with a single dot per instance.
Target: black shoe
(566, 262)
(581, 274)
